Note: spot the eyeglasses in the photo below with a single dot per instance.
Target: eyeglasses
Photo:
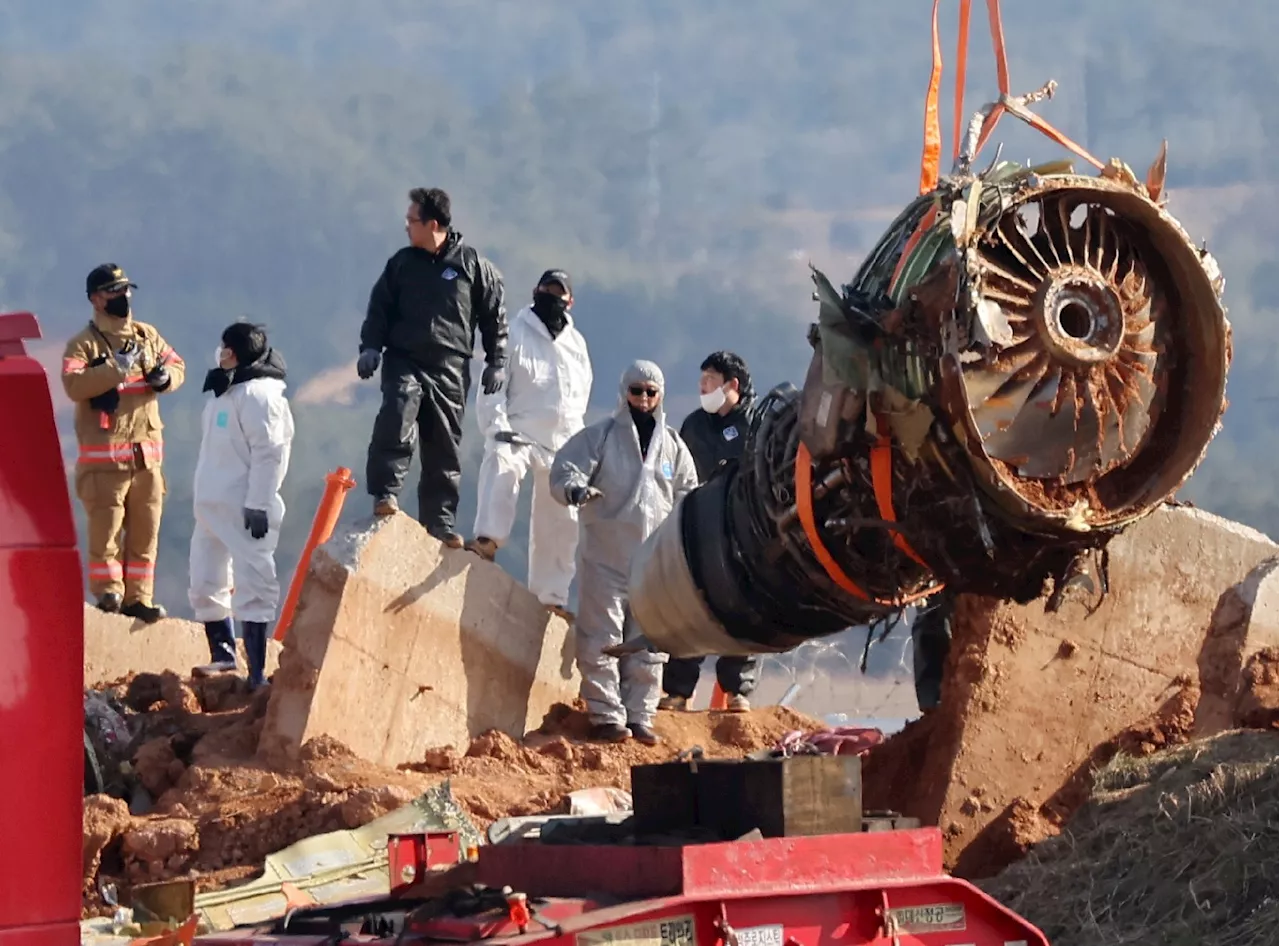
(639, 390)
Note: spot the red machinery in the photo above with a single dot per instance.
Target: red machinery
(851, 889)
(41, 661)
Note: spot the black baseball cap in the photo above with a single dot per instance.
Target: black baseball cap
(106, 277)
(559, 276)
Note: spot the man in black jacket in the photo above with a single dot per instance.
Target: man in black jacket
(423, 314)
(715, 434)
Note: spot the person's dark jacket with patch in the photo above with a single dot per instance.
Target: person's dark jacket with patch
(425, 305)
(715, 438)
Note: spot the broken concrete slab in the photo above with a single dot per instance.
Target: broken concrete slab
(1032, 700)
(115, 646)
(400, 644)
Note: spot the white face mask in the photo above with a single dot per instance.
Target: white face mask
(217, 356)
(712, 401)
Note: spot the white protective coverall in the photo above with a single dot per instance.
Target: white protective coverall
(638, 494)
(244, 454)
(544, 401)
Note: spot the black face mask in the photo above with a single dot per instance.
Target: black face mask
(552, 310)
(117, 306)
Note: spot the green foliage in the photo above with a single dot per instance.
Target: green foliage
(684, 161)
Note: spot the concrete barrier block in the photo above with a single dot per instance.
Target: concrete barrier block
(400, 644)
(115, 646)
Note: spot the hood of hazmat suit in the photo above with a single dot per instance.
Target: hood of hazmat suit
(548, 385)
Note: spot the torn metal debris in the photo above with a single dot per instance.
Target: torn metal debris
(1028, 361)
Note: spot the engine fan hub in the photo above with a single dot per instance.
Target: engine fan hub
(1079, 317)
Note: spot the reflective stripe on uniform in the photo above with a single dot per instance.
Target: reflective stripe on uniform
(106, 570)
(152, 450)
(73, 365)
(106, 453)
(140, 569)
(135, 385)
(170, 357)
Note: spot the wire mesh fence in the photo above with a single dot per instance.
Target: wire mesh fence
(824, 678)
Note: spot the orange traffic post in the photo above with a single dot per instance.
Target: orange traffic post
(336, 485)
(719, 698)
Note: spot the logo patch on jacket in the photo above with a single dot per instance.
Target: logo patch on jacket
(450, 273)
(667, 471)
(730, 433)
(221, 419)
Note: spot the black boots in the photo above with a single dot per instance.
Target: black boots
(110, 603)
(146, 613)
(222, 648)
(255, 648)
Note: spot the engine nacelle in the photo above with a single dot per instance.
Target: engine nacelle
(1027, 362)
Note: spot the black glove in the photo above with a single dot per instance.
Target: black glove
(106, 402)
(578, 495)
(513, 438)
(158, 378)
(494, 377)
(368, 363)
(255, 520)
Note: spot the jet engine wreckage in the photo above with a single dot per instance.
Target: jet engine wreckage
(1028, 361)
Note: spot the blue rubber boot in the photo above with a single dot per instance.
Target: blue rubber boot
(221, 636)
(255, 648)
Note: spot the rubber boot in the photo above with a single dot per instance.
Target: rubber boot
(255, 648)
(930, 645)
(221, 636)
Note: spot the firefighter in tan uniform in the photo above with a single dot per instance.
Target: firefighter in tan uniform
(114, 370)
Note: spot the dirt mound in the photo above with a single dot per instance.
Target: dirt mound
(217, 809)
(1021, 823)
(499, 777)
(1257, 706)
(1175, 847)
(999, 767)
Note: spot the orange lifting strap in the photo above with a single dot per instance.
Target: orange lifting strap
(932, 153)
(882, 483)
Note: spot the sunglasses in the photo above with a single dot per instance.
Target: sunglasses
(639, 390)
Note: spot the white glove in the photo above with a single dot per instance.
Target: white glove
(127, 357)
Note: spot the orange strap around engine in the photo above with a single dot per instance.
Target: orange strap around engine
(925, 223)
(804, 506)
(882, 485)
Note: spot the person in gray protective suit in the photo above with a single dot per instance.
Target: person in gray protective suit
(626, 473)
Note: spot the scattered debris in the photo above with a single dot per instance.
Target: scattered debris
(220, 809)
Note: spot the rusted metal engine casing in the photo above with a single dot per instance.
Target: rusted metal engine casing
(1027, 362)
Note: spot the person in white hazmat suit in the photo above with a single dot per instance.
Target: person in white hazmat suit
(246, 436)
(625, 473)
(524, 424)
